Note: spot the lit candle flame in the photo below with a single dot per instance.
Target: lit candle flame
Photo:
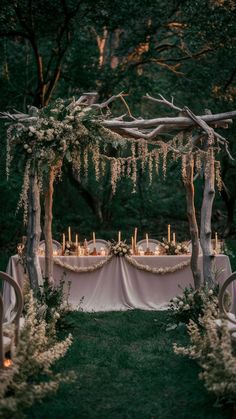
(7, 363)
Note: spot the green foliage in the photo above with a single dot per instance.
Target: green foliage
(30, 377)
(54, 301)
(192, 303)
(212, 346)
(203, 81)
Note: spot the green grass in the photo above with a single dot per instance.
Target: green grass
(126, 369)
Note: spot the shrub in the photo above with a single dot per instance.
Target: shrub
(30, 377)
(190, 305)
(212, 347)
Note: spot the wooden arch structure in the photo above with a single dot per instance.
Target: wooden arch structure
(202, 139)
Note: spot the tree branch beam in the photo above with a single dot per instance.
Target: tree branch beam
(174, 121)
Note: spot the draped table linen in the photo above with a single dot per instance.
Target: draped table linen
(120, 286)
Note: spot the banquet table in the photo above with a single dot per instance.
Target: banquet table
(118, 285)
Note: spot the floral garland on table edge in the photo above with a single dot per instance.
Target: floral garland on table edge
(82, 269)
(133, 262)
(160, 271)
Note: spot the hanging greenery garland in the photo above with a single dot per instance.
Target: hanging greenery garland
(71, 131)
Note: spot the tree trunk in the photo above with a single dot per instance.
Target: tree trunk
(48, 202)
(193, 227)
(206, 212)
(33, 234)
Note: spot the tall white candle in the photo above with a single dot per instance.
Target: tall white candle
(119, 236)
(147, 240)
(132, 243)
(76, 240)
(216, 241)
(168, 239)
(94, 240)
(135, 237)
(174, 238)
(63, 242)
(69, 234)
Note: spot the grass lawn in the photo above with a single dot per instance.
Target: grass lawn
(126, 369)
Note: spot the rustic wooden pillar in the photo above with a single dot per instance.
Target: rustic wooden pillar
(48, 203)
(193, 227)
(33, 233)
(206, 212)
(48, 216)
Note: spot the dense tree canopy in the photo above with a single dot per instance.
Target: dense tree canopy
(61, 48)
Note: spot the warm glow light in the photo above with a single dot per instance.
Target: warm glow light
(7, 363)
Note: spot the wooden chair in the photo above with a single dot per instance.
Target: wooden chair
(5, 342)
(230, 317)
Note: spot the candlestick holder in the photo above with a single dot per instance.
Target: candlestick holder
(148, 252)
(94, 252)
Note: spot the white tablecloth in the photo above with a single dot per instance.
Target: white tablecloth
(120, 286)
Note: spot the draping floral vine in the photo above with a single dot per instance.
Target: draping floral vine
(82, 269)
(130, 260)
(158, 271)
(70, 131)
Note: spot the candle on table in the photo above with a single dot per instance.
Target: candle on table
(63, 242)
(85, 247)
(168, 239)
(147, 240)
(216, 241)
(76, 240)
(119, 236)
(135, 237)
(69, 234)
(132, 244)
(173, 238)
(94, 240)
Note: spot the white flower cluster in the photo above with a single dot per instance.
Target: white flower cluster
(174, 248)
(24, 382)
(192, 303)
(211, 345)
(120, 249)
(192, 299)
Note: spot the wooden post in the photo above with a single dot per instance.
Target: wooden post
(48, 202)
(48, 216)
(33, 233)
(206, 212)
(193, 227)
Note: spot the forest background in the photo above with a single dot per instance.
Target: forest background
(63, 48)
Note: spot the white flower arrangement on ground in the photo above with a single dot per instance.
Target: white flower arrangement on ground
(211, 346)
(30, 378)
(191, 303)
(120, 249)
(174, 248)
